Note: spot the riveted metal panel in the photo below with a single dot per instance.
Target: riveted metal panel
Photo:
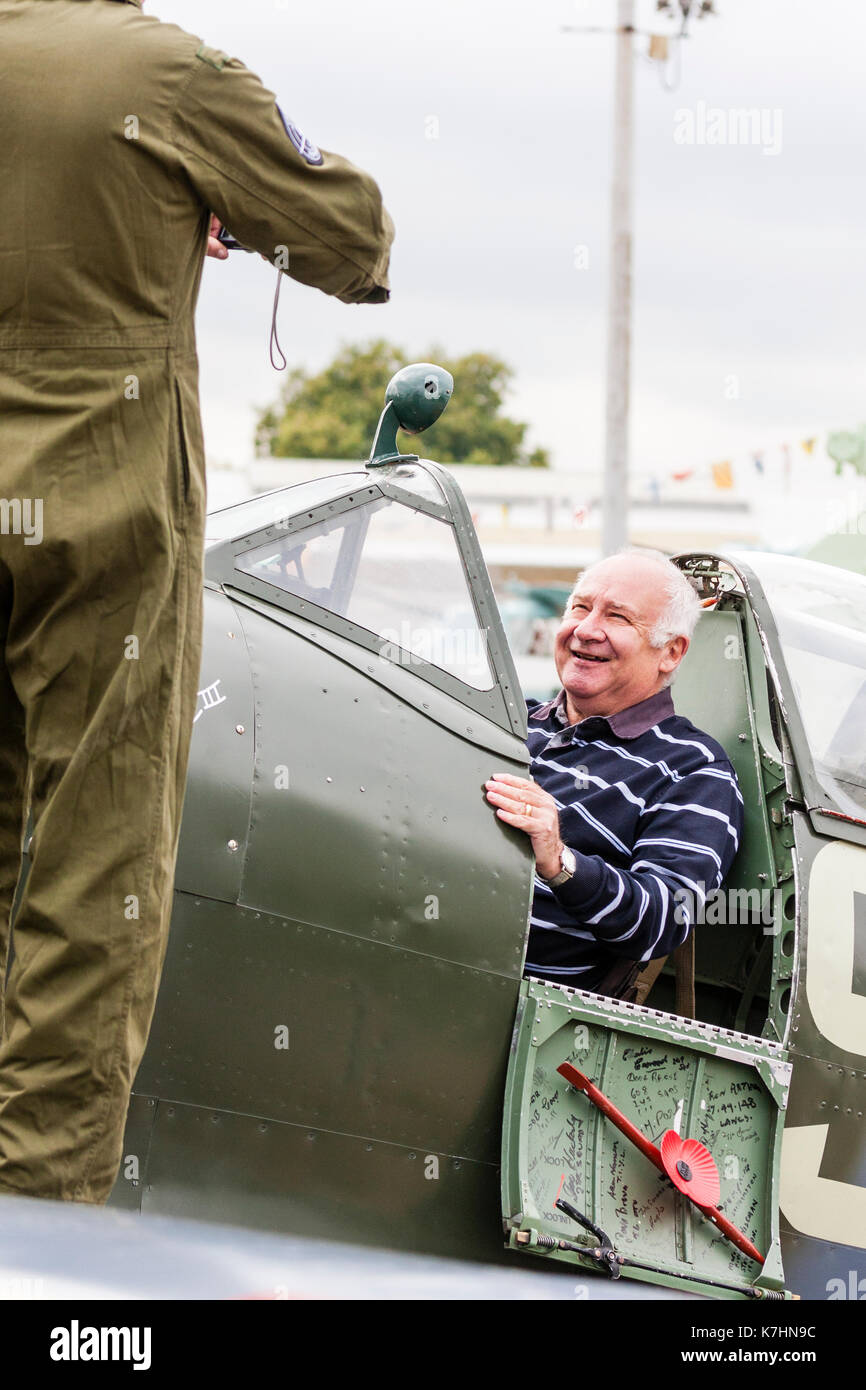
(823, 1177)
(370, 817)
(290, 1021)
(823, 1167)
(136, 1146)
(216, 809)
(830, 989)
(816, 1269)
(311, 1182)
(407, 679)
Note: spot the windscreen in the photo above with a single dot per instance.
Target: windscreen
(270, 508)
(391, 570)
(820, 612)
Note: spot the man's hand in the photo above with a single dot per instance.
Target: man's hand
(215, 247)
(523, 804)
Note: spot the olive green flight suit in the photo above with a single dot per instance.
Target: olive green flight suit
(118, 135)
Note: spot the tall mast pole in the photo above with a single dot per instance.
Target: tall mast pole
(614, 525)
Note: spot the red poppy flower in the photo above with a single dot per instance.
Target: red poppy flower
(691, 1168)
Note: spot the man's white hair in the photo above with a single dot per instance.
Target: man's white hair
(683, 608)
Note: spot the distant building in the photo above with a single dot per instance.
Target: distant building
(542, 526)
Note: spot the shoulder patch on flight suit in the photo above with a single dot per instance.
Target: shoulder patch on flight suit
(213, 57)
(306, 149)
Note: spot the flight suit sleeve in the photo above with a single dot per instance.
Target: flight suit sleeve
(308, 210)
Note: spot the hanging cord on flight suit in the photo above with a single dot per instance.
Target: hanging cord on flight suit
(232, 244)
(275, 342)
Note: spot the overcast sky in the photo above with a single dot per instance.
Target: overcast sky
(747, 264)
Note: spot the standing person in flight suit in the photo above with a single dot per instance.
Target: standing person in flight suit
(121, 136)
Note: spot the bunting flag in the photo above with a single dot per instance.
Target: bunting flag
(848, 446)
(723, 474)
(845, 447)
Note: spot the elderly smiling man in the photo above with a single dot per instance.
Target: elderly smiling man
(629, 801)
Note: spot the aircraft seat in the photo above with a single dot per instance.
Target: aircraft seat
(731, 957)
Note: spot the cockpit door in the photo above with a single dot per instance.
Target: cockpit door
(727, 1090)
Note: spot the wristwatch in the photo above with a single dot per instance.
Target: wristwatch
(568, 868)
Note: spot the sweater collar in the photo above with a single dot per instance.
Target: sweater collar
(626, 723)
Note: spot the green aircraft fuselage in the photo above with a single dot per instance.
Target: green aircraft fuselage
(342, 1009)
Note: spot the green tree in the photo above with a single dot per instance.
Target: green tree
(334, 413)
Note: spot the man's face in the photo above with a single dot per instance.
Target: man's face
(602, 651)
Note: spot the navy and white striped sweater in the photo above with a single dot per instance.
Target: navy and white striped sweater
(650, 806)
